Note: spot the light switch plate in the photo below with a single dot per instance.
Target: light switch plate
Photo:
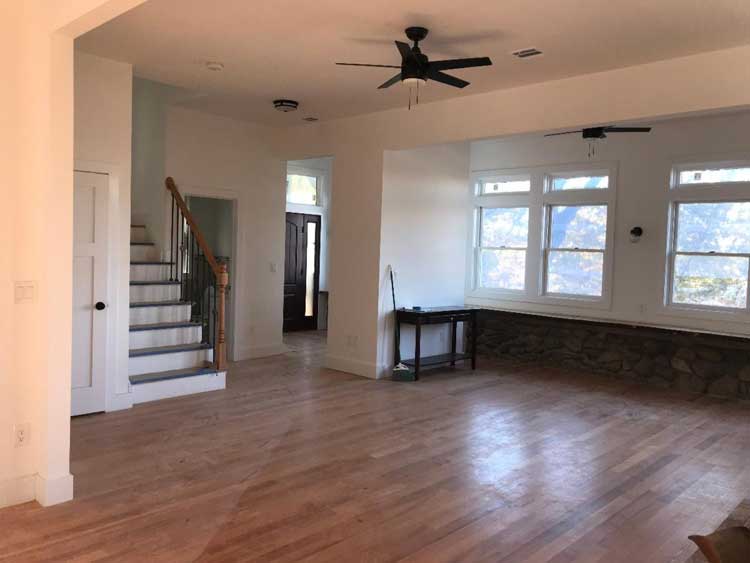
(24, 292)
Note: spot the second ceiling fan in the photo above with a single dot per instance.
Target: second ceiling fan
(416, 68)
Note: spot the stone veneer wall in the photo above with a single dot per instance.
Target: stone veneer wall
(703, 363)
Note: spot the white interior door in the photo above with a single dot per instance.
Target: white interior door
(89, 292)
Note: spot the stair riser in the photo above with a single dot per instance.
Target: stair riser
(146, 392)
(138, 234)
(167, 314)
(149, 272)
(165, 337)
(165, 362)
(145, 293)
(140, 253)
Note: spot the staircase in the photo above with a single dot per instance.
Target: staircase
(176, 313)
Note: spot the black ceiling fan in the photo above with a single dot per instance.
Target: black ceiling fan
(416, 68)
(601, 132)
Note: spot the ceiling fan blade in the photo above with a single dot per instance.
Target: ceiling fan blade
(404, 49)
(563, 133)
(627, 129)
(460, 63)
(364, 64)
(438, 76)
(390, 82)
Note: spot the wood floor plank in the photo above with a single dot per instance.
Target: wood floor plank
(294, 462)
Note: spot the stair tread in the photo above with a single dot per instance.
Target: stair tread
(150, 262)
(137, 226)
(158, 303)
(161, 326)
(173, 349)
(142, 243)
(155, 282)
(171, 374)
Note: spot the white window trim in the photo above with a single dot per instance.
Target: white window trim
(538, 200)
(722, 192)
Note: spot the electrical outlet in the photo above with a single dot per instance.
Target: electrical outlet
(21, 435)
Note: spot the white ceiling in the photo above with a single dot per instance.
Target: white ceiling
(287, 48)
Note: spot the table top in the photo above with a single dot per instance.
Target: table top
(439, 309)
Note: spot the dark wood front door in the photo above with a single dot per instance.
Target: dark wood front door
(301, 271)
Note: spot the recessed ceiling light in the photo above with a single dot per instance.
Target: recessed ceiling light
(285, 105)
(526, 53)
(310, 119)
(214, 66)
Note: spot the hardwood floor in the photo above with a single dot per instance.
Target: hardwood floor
(294, 462)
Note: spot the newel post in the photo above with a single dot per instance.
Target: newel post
(222, 280)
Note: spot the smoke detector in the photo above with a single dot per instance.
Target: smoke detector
(526, 53)
(214, 66)
(285, 105)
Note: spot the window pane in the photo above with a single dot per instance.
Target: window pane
(715, 175)
(502, 269)
(714, 227)
(310, 272)
(302, 189)
(719, 281)
(575, 273)
(582, 226)
(505, 227)
(506, 186)
(599, 182)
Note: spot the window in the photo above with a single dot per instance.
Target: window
(544, 235)
(302, 189)
(505, 184)
(709, 251)
(503, 239)
(597, 181)
(575, 253)
(703, 175)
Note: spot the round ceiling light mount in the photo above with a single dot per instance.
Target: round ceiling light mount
(285, 105)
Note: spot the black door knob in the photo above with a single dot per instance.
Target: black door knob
(99, 306)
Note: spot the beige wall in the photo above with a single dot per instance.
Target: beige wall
(38, 146)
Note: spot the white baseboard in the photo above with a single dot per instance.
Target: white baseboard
(17, 490)
(54, 491)
(356, 367)
(120, 402)
(145, 392)
(254, 352)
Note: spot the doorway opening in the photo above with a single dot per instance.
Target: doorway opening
(216, 217)
(306, 245)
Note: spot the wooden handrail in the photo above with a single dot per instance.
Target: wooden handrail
(199, 238)
(220, 272)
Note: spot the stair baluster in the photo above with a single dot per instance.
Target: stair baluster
(203, 280)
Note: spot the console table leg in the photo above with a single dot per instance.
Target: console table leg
(417, 339)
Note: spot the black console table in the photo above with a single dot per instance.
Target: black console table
(437, 315)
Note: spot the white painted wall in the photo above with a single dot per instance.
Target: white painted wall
(36, 42)
(214, 216)
(206, 153)
(423, 234)
(644, 164)
(103, 105)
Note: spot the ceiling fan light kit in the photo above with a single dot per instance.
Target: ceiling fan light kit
(285, 105)
(416, 68)
(594, 134)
